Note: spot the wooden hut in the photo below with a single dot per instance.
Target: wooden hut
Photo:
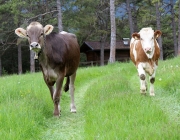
(92, 51)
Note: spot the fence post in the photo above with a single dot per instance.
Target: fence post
(91, 63)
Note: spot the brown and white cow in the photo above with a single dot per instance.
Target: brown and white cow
(58, 55)
(145, 52)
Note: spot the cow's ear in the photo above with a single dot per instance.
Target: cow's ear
(48, 29)
(136, 36)
(21, 32)
(157, 33)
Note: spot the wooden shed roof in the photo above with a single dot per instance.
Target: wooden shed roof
(96, 46)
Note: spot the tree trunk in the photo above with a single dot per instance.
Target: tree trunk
(113, 32)
(0, 66)
(102, 41)
(32, 62)
(129, 17)
(179, 31)
(174, 29)
(19, 60)
(159, 28)
(60, 27)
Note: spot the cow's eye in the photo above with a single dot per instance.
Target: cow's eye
(27, 35)
(42, 34)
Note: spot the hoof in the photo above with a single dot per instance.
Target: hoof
(57, 113)
(152, 94)
(72, 108)
(143, 91)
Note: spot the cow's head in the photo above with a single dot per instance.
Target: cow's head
(147, 36)
(35, 33)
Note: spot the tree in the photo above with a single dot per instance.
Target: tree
(179, 31)
(102, 14)
(130, 17)
(60, 27)
(7, 38)
(159, 28)
(19, 60)
(113, 32)
(174, 28)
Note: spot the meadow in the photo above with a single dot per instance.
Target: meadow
(109, 106)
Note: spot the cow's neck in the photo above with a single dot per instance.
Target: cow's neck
(42, 58)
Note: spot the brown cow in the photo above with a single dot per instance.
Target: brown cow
(58, 55)
(145, 52)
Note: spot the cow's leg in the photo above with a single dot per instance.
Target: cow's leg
(142, 76)
(152, 80)
(51, 88)
(71, 90)
(56, 95)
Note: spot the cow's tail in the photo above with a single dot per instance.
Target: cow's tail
(66, 86)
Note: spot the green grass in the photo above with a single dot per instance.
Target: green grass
(109, 106)
(118, 111)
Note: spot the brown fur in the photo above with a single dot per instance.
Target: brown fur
(141, 56)
(62, 53)
(58, 55)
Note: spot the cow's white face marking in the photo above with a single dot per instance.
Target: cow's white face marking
(35, 35)
(147, 41)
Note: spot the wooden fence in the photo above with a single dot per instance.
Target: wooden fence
(98, 63)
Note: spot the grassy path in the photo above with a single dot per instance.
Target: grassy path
(115, 92)
(69, 126)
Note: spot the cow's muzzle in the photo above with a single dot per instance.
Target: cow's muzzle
(148, 50)
(35, 46)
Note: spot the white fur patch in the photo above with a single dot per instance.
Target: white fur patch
(37, 25)
(63, 32)
(147, 40)
(134, 42)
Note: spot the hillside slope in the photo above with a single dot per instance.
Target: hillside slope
(109, 106)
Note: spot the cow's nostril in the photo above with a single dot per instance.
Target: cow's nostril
(34, 44)
(148, 49)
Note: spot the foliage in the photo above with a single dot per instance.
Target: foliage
(88, 19)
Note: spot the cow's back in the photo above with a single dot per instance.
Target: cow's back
(73, 49)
